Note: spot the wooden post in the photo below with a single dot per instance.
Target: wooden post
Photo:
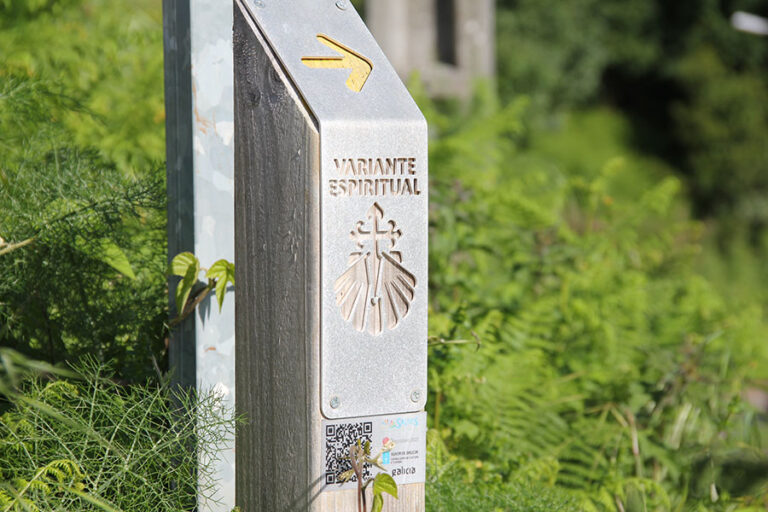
(331, 259)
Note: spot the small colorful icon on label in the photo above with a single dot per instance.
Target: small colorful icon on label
(399, 423)
(385, 457)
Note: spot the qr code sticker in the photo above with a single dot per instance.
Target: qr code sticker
(338, 439)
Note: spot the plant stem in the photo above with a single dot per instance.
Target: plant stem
(192, 304)
(18, 245)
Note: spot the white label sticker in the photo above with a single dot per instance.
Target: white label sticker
(405, 462)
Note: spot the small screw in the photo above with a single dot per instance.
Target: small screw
(258, 3)
(335, 402)
(342, 4)
(416, 396)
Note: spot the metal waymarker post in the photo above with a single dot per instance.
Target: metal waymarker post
(200, 160)
(331, 258)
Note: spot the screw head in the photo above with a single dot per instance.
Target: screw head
(415, 395)
(342, 4)
(258, 3)
(335, 402)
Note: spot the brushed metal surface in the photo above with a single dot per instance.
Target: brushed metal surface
(291, 27)
(212, 109)
(200, 162)
(376, 367)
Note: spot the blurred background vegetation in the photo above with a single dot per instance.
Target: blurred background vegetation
(598, 220)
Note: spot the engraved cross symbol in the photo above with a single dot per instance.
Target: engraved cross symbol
(375, 288)
(375, 214)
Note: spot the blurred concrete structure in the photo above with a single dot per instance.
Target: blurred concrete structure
(450, 43)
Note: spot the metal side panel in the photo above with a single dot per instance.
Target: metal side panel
(374, 268)
(292, 28)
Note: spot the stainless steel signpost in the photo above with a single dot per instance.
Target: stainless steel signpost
(200, 160)
(331, 258)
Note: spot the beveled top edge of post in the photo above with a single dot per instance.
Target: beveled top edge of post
(298, 29)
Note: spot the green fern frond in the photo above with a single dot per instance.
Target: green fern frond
(607, 366)
(59, 391)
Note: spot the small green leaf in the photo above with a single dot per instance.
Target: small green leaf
(224, 273)
(222, 269)
(102, 249)
(221, 291)
(378, 503)
(384, 483)
(114, 256)
(187, 266)
(181, 263)
(184, 287)
(635, 499)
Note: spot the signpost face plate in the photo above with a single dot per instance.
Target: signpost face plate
(373, 211)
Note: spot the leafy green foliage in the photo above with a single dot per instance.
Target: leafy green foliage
(557, 52)
(448, 490)
(91, 444)
(82, 250)
(550, 50)
(609, 369)
(108, 58)
(382, 483)
(609, 373)
(360, 456)
(59, 476)
(16, 369)
(223, 272)
(450, 493)
(723, 124)
(187, 266)
(693, 86)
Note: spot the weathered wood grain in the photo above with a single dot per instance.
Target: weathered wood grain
(411, 499)
(277, 301)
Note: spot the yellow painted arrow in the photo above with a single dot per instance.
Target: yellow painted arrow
(361, 67)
